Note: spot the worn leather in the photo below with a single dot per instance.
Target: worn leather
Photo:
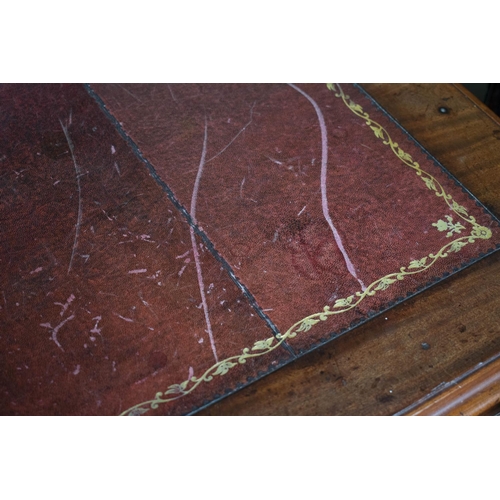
(105, 299)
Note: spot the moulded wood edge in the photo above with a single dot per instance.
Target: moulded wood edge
(472, 394)
(487, 111)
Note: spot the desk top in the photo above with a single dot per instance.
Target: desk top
(183, 241)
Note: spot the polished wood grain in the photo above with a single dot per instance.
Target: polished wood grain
(415, 351)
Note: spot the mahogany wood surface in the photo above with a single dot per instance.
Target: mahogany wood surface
(420, 350)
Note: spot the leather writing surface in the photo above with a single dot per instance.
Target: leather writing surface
(316, 212)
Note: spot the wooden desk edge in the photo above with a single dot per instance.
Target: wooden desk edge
(487, 111)
(474, 393)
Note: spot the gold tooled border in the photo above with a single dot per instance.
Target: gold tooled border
(263, 347)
